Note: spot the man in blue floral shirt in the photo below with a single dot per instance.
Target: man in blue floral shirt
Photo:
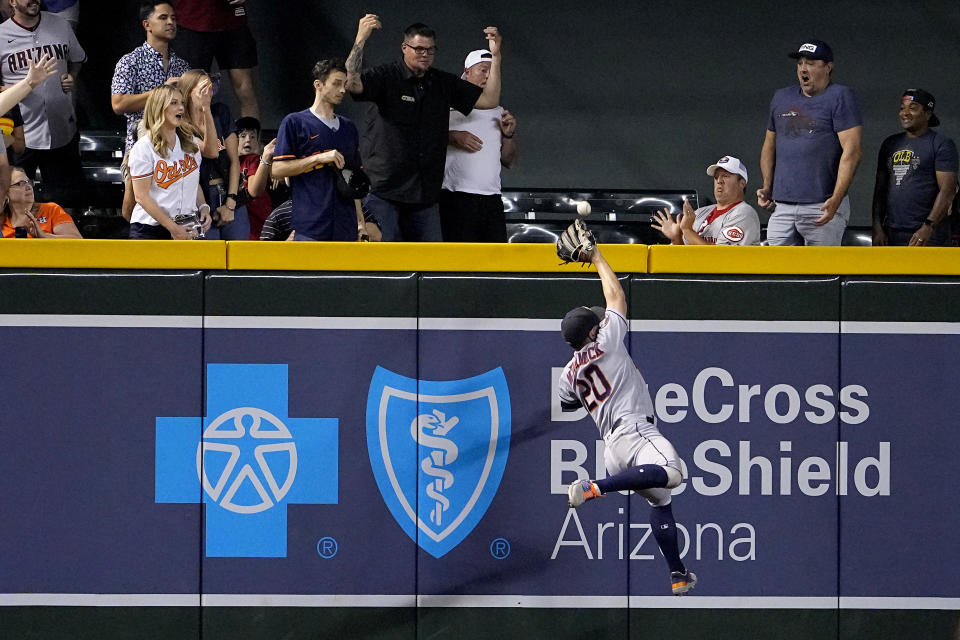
(147, 67)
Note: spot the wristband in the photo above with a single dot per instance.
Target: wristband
(506, 136)
(232, 195)
(204, 205)
(928, 222)
(266, 162)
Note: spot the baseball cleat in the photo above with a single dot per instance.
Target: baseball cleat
(581, 491)
(683, 582)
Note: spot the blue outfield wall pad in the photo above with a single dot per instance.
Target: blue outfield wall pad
(333, 331)
(729, 367)
(93, 359)
(309, 344)
(900, 339)
(476, 329)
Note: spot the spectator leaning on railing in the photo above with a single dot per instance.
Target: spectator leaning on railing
(22, 217)
(165, 167)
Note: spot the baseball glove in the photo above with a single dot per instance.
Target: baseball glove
(576, 243)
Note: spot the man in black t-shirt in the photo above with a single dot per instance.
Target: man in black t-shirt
(404, 144)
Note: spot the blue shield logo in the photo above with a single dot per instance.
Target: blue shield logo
(438, 450)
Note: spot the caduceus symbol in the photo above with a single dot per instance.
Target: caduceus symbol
(444, 453)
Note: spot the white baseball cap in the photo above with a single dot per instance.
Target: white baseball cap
(476, 57)
(728, 163)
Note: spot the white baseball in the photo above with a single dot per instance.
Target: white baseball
(583, 208)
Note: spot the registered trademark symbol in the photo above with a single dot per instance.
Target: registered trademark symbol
(500, 548)
(327, 547)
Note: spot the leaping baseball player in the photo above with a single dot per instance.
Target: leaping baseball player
(602, 378)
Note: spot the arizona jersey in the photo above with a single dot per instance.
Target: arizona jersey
(603, 378)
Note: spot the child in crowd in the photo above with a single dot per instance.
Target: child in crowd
(258, 191)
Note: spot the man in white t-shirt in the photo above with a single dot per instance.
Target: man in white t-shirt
(471, 209)
(731, 221)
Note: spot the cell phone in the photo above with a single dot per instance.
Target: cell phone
(20, 232)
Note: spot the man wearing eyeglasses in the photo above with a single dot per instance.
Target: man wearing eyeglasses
(404, 144)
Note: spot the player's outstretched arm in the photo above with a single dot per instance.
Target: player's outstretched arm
(612, 291)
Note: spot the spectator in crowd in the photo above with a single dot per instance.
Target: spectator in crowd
(11, 124)
(217, 30)
(69, 10)
(165, 166)
(145, 68)
(277, 225)
(471, 207)
(405, 138)
(24, 218)
(916, 178)
(810, 153)
(256, 183)
(9, 99)
(313, 145)
(50, 123)
(219, 172)
(731, 221)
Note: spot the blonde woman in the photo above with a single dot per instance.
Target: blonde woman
(22, 217)
(219, 172)
(165, 169)
(197, 97)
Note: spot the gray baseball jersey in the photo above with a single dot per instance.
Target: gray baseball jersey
(49, 121)
(603, 378)
(738, 225)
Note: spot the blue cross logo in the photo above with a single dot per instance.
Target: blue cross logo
(246, 460)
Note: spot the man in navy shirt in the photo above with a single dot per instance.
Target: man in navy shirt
(916, 178)
(312, 145)
(810, 153)
(405, 140)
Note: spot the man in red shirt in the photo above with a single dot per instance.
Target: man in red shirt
(209, 30)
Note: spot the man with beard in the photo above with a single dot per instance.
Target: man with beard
(916, 178)
(312, 146)
(49, 119)
(810, 153)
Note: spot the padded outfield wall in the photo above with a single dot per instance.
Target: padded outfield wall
(237, 441)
